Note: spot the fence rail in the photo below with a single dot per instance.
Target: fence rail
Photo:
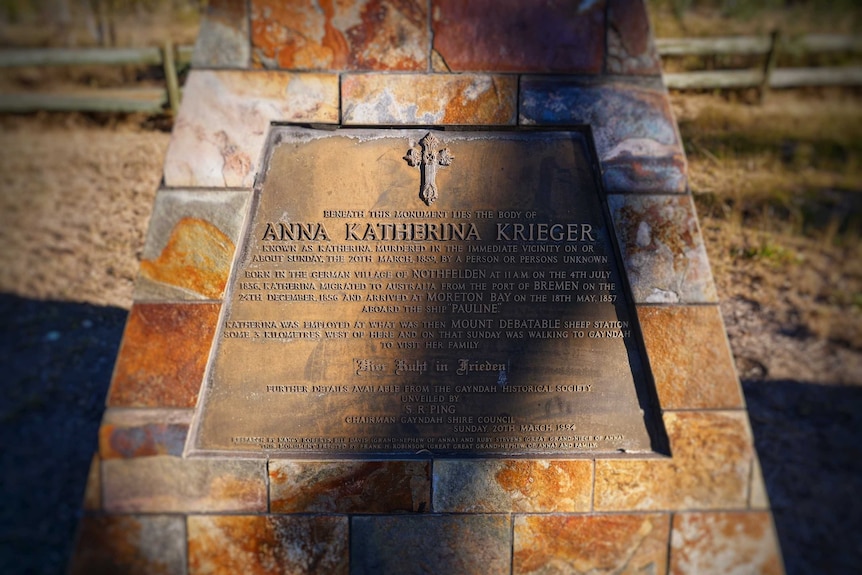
(147, 100)
(767, 75)
(169, 57)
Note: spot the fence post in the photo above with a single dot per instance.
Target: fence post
(769, 64)
(171, 82)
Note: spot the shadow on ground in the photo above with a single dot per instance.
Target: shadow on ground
(55, 365)
(809, 439)
(56, 360)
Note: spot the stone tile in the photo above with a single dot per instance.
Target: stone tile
(507, 486)
(722, 543)
(220, 131)
(429, 99)
(349, 486)
(264, 545)
(129, 433)
(709, 468)
(631, 49)
(635, 134)
(93, 489)
(360, 35)
(223, 40)
(758, 497)
(551, 36)
(163, 355)
(190, 244)
(421, 544)
(130, 544)
(620, 544)
(690, 357)
(174, 485)
(662, 249)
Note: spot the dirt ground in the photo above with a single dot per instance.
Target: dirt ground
(75, 198)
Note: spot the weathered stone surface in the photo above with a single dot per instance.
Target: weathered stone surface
(338, 35)
(129, 544)
(349, 486)
(512, 486)
(170, 484)
(690, 357)
(623, 544)
(429, 99)
(223, 39)
(141, 432)
(636, 137)
(758, 498)
(264, 545)
(709, 469)
(93, 489)
(163, 355)
(631, 49)
(662, 249)
(219, 133)
(552, 36)
(190, 244)
(724, 543)
(408, 545)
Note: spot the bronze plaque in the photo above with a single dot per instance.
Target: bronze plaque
(406, 292)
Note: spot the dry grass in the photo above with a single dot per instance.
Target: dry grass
(779, 192)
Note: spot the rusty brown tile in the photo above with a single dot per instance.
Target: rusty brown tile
(620, 544)
(429, 99)
(662, 249)
(709, 469)
(223, 40)
(174, 485)
(506, 486)
(422, 544)
(551, 36)
(690, 357)
(163, 355)
(128, 433)
(190, 244)
(349, 486)
(197, 257)
(631, 49)
(224, 118)
(720, 543)
(267, 545)
(337, 35)
(130, 544)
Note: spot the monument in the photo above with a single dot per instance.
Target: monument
(415, 299)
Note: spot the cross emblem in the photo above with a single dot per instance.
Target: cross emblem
(428, 160)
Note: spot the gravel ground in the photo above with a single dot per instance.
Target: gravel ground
(74, 203)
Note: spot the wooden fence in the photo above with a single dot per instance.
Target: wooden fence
(767, 74)
(147, 100)
(764, 76)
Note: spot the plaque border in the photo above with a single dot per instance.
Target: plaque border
(646, 393)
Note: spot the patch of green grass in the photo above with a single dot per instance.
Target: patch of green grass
(769, 251)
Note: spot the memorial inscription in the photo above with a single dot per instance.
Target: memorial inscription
(487, 319)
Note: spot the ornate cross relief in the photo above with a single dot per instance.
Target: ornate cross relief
(428, 160)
